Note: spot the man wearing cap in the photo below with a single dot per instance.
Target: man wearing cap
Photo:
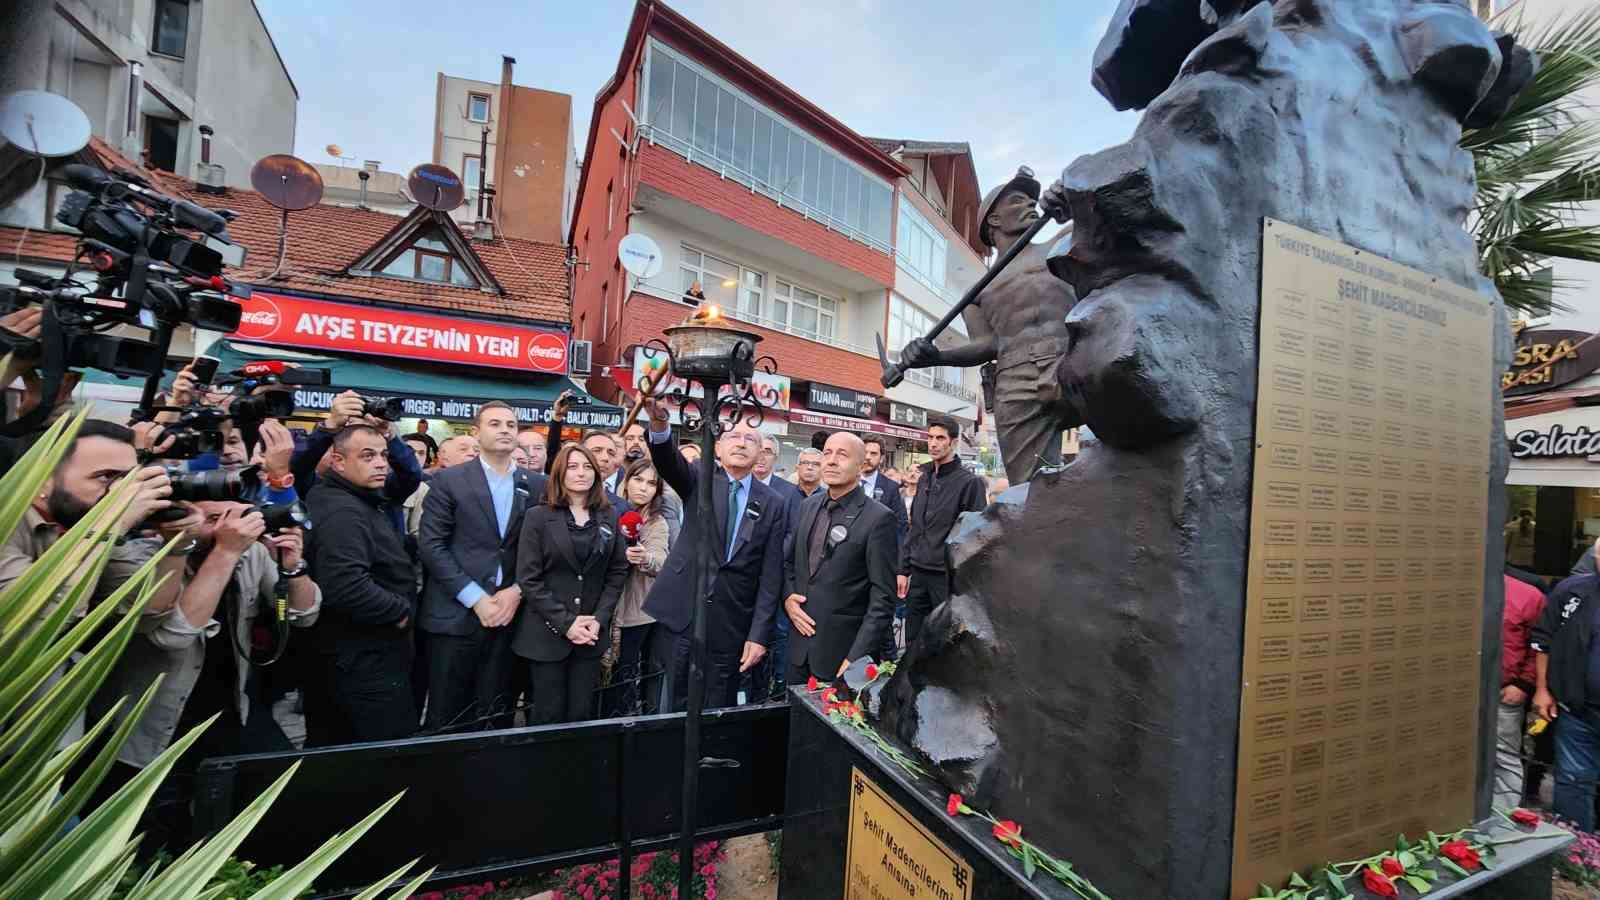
(1018, 322)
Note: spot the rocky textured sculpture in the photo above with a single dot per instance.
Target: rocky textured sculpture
(1091, 651)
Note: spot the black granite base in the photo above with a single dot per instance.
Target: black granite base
(817, 812)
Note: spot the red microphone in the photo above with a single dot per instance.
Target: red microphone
(266, 367)
(629, 524)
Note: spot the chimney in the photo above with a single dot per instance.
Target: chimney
(205, 143)
(364, 174)
(502, 143)
(370, 166)
(135, 83)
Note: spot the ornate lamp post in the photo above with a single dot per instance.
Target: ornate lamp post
(709, 349)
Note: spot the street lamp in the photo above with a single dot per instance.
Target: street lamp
(709, 349)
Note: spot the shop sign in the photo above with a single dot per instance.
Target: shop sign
(772, 390)
(840, 401)
(1548, 358)
(427, 406)
(286, 321)
(901, 414)
(845, 423)
(1557, 441)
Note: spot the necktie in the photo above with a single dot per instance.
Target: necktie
(733, 516)
(817, 541)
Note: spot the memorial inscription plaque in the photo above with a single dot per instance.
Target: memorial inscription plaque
(1358, 714)
(892, 857)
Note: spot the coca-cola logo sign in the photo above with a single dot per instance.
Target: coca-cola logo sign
(547, 352)
(259, 319)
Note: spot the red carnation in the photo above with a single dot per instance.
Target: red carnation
(1460, 853)
(872, 672)
(830, 695)
(1392, 867)
(811, 684)
(1525, 817)
(1377, 883)
(1008, 832)
(953, 805)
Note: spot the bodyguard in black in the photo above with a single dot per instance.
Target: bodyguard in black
(361, 687)
(839, 573)
(571, 564)
(471, 524)
(746, 529)
(947, 490)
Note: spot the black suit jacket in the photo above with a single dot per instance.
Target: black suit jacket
(887, 491)
(851, 595)
(459, 542)
(556, 589)
(744, 591)
(791, 497)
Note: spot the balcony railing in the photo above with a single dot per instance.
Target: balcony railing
(771, 324)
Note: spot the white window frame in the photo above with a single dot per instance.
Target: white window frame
(788, 292)
(907, 321)
(920, 249)
(707, 151)
(488, 100)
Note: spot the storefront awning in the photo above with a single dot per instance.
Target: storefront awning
(851, 423)
(428, 393)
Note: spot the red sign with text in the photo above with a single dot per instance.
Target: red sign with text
(318, 324)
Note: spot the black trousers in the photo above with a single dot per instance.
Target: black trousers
(671, 650)
(632, 691)
(797, 674)
(469, 680)
(361, 692)
(563, 691)
(927, 590)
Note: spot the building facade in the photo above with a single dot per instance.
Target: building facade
(383, 191)
(515, 140)
(765, 205)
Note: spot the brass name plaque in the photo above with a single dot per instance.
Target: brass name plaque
(892, 857)
(1358, 719)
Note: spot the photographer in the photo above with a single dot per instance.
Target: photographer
(230, 574)
(349, 408)
(361, 690)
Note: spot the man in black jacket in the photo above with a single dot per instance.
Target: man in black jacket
(839, 573)
(471, 521)
(361, 690)
(405, 473)
(946, 490)
(1568, 691)
(747, 527)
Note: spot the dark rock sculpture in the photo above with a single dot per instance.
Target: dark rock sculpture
(1093, 643)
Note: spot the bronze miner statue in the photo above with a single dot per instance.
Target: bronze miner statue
(1084, 677)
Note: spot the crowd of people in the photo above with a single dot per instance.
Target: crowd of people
(485, 580)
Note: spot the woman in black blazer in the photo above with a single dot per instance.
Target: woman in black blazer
(571, 564)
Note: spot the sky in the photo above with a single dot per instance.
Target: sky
(1010, 79)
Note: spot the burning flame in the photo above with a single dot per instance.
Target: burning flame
(710, 313)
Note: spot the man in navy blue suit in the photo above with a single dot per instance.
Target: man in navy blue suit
(746, 529)
(766, 679)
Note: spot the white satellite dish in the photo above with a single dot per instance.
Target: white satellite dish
(43, 123)
(640, 255)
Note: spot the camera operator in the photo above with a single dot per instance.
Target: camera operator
(349, 408)
(230, 573)
(16, 329)
(97, 459)
(361, 690)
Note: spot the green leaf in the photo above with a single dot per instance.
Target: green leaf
(291, 883)
(1263, 892)
(1408, 860)
(412, 885)
(199, 867)
(1451, 865)
(1296, 881)
(1028, 865)
(1334, 881)
(1420, 885)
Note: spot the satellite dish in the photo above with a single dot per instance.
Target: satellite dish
(43, 123)
(287, 182)
(640, 255)
(436, 187)
(334, 150)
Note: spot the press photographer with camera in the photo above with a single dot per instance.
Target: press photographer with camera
(350, 408)
(235, 577)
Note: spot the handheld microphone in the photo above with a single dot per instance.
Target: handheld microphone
(629, 524)
(257, 369)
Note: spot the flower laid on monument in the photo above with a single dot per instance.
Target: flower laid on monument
(1461, 853)
(811, 684)
(1525, 818)
(1392, 867)
(872, 672)
(1378, 883)
(1008, 832)
(954, 806)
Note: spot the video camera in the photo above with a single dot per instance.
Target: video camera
(158, 264)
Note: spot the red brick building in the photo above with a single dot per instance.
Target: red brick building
(406, 306)
(764, 203)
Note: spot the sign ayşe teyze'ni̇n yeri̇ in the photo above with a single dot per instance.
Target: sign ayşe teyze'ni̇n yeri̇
(1366, 566)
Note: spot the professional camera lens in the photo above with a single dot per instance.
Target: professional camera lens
(213, 484)
(253, 410)
(387, 408)
(285, 515)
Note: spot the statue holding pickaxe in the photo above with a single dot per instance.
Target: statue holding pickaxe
(1015, 315)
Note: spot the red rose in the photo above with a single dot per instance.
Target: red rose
(1377, 883)
(1525, 817)
(953, 805)
(1392, 867)
(811, 684)
(872, 672)
(830, 695)
(1008, 832)
(1460, 853)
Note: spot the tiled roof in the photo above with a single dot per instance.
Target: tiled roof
(890, 145)
(324, 240)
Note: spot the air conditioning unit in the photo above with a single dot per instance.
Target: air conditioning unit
(580, 357)
(210, 178)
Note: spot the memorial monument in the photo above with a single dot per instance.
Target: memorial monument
(1191, 660)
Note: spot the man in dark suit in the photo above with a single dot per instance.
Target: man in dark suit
(881, 487)
(471, 520)
(766, 679)
(839, 574)
(746, 533)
